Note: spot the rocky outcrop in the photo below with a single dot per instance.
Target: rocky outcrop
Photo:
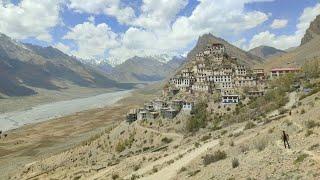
(243, 56)
(312, 31)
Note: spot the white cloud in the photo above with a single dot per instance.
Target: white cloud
(240, 43)
(270, 39)
(286, 41)
(62, 47)
(158, 14)
(308, 15)
(279, 23)
(29, 18)
(109, 7)
(159, 30)
(92, 40)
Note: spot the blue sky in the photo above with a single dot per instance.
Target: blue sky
(119, 29)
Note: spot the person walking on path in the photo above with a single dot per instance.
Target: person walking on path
(285, 138)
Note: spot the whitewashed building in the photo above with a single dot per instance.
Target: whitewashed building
(230, 99)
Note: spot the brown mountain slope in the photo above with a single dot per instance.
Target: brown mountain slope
(145, 69)
(309, 49)
(24, 67)
(266, 52)
(244, 57)
(312, 32)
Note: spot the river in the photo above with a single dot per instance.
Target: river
(13, 120)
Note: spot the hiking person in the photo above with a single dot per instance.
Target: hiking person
(285, 138)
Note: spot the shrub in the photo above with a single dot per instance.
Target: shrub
(166, 140)
(302, 111)
(301, 158)
(170, 161)
(193, 173)
(198, 119)
(154, 169)
(231, 143)
(221, 142)
(134, 177)
(223, 132)
(120, 146)
(235, 162)
(183, 169)
(136, 167)
(249, 125)
(261, 144)
(308, 133)
(206, 137)
(311, 124)
(115, 176)
(196, 144)
(313, 147)
(211, 158)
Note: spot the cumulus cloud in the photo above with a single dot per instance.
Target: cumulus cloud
(240, 43)
(158, 28)
(62, 47)
(281, 42)
(24, 20)
(279, 23)
(113, 8)
(158, 14)
(286, 41)
(92, 40)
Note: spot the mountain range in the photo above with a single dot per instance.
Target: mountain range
(25, 67)
(145, 69)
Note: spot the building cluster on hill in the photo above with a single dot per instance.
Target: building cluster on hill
(160, 108)
(211, 72)
(214, 71)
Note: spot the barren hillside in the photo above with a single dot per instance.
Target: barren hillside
(308, 50)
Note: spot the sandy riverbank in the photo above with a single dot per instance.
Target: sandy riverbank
(40, 113)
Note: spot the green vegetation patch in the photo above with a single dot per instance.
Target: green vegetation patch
(198, 119)
(301, 158)
(216, 156)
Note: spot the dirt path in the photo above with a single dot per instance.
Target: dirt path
(172, 170)
(174, 135)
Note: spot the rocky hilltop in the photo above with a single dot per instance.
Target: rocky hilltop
(312, 32)
(243, 56)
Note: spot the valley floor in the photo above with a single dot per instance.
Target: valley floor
(10, 104)
(36, 141)
(40, 113)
